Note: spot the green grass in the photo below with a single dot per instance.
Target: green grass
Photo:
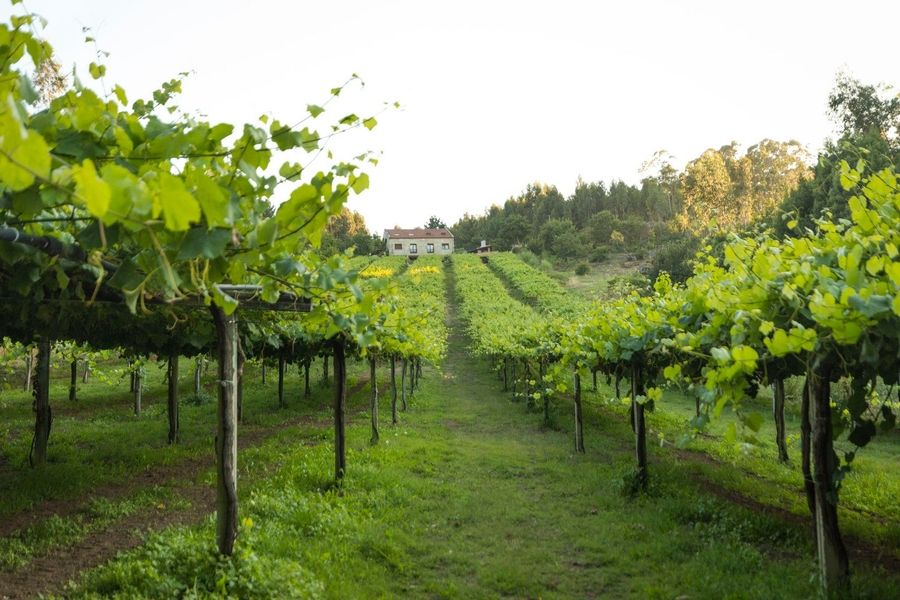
(870, 493)
(469, 497)
(600, 282)
(97, 440)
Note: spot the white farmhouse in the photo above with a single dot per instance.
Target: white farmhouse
(416, 242)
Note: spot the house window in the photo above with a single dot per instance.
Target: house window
(413, 249)
(429, 248)
(445, 246)
(398, 246)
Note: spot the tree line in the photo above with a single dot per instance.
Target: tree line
(670, 214)
(721, 189)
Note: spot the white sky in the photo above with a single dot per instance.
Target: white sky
(497, 95)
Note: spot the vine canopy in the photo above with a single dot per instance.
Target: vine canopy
(152, 203)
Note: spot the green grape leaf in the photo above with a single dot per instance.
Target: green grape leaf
(875, 264)
(127, 276)
(93, 191)
(862, 433)
(745, 357)
(120, 94)
(88, 111)
(97, 71)
(212, 200)
(203, 243)
(179, 207)
(123, 140)
(871, 306)
(22, 159)
(720, 354)
(27, 202)
(672, 372)
(227, 303)
(753, 420)
(128, 194)
(360, 183)
(731, 433)
(220, 132)
(290, 171)
(893, 271)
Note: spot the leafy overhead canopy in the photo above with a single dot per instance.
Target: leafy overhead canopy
(164, 206)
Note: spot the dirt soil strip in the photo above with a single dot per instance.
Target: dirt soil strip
(53, 571)
(704, 457)
(151, 475)
(858, 549)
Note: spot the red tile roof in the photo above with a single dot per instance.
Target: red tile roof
(417, 233)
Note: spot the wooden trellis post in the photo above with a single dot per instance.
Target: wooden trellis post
(172, 398)
(281, 361)
(778, 413)
(834, 565)
(545, 399)
(403, 368)
(138, 389)
(226, 431)
(198, 373)
(73, 380)
(529, 400)
(394, 390)
(579, 424)
(29, 370)
(240, 381)
(374, 408)
(42, 413)
(306, 363)
(340, 404)
(640, 429)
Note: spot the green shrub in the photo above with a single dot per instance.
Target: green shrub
(625, 284)
(675, 258)
(582, 269)
(197, 399)
(599, 254)
(183, 563)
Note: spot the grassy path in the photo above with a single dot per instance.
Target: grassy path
(504, 507)
(499, 506)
